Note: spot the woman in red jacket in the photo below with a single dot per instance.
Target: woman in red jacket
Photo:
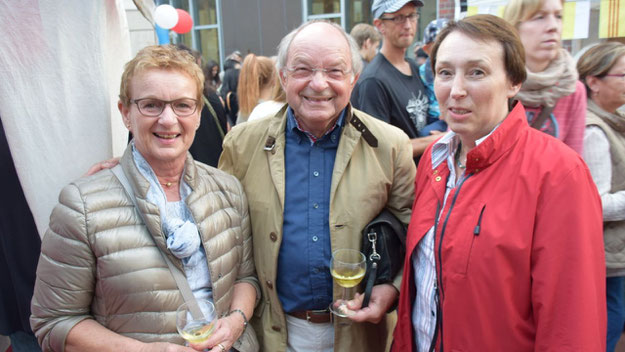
(504, 248)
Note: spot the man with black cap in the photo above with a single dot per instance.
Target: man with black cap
(389, 87)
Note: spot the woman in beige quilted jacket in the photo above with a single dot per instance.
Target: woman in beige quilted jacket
(102, 282)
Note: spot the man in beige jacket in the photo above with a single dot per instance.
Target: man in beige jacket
(315, 174)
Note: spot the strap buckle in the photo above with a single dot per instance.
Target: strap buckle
(373, 238)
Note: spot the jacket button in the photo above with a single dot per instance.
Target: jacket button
(276, 328)
(273, 236)
(269, 284)
(438, 178)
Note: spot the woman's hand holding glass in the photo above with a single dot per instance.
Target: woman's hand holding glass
(195, 320)
(226, 331)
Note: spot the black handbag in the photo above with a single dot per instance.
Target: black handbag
(384, 246)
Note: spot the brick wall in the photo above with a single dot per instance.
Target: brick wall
(446, 8)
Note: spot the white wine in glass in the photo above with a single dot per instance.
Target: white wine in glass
(348, 268)
(195, 320)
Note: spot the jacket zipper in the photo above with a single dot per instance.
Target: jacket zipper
(440, 261)
(478, 227)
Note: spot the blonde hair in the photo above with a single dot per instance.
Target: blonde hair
(278, 94)
(363, 31)
(256, 73)
(166, 57)
(517, 11)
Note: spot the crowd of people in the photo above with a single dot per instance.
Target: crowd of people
(502, 155)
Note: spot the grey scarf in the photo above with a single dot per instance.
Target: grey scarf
(556, 81)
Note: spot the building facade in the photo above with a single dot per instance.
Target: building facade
(257, 26)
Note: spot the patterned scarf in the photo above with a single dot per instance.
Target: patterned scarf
(556, 81)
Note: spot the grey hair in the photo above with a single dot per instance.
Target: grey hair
(598, 60)
(285, 43)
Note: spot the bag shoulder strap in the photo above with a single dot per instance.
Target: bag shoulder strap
(181, 280)
(214, 114)
(542, 117)
(228, 100)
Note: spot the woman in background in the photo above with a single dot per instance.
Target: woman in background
(209, 136)
(602, 69)
(554, 100)
(256, 81)
(272, 106)
(211, 72)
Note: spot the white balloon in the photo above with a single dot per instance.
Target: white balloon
(166, 16)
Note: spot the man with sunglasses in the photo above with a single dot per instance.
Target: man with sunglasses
(389, 87)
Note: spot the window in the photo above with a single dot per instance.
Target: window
(324, 10)
(207, 29)
(358, 11)
(205, 36)
(346, 13)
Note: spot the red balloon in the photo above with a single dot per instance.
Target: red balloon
(185, 23)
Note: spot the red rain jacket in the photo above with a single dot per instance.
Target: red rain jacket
(532, 276)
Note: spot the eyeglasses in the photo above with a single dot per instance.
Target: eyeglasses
(399, 19)
(620, 75)
(154, 107)
(305, 72)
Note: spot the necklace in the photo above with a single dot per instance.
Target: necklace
(460, 165)
(168, 184)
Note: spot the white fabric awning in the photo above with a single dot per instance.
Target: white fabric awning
(60, 68)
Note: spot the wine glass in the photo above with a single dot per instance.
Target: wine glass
(348, 268)
(195, 320)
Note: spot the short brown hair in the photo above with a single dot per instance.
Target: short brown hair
(486, 28)
(166, 57)
(598, 60)
(517, 11)
(362, 31)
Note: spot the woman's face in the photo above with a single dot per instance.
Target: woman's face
(609, 91)
(541, 34)
(471, 85)
(215, 70)
(162, 139)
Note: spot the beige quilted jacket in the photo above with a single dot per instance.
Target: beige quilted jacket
(98, 260)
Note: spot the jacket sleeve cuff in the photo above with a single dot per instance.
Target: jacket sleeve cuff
(55, 341)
